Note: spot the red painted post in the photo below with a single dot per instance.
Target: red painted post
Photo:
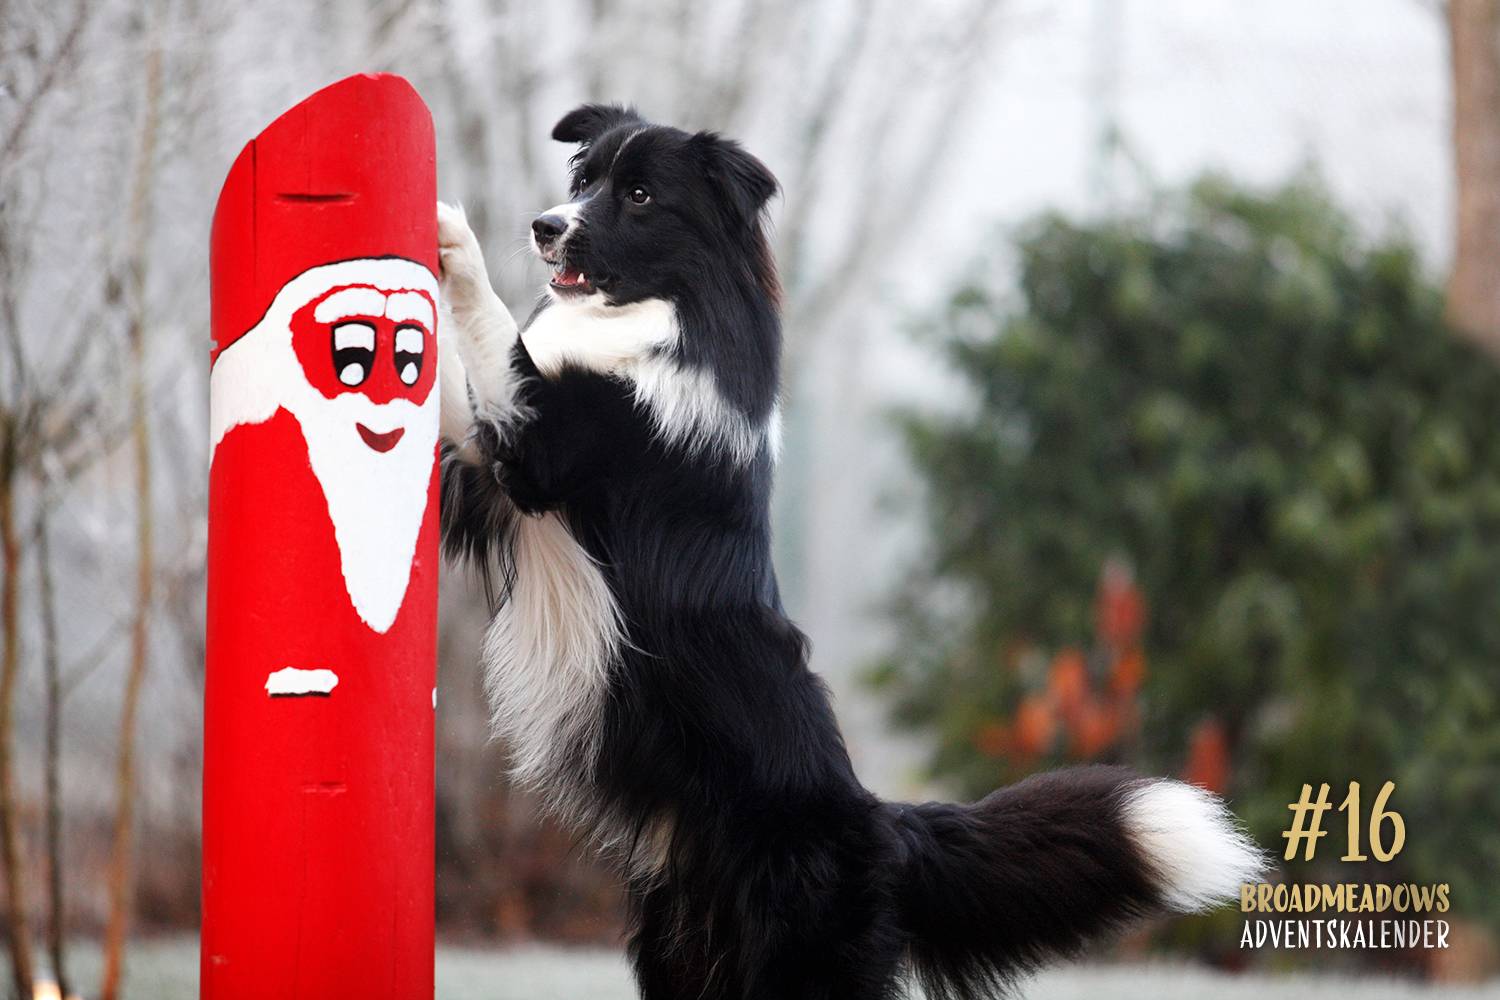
(322, 561)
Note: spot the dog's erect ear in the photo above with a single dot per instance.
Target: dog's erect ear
(746, 182)
(588, 122)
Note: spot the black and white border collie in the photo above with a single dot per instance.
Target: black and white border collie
(611, 466)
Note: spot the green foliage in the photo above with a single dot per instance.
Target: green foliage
(1269, 422)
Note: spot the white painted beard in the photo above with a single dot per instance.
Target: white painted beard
(376, 500)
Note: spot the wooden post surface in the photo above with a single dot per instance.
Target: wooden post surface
(322, 567)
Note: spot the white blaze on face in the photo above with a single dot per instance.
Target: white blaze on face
(376, 490)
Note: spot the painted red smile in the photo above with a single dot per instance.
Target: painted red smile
(380, 442)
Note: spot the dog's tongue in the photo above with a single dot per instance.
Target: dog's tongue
(570, 277)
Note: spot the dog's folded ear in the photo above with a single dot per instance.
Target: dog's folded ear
(589, 121)
(746, 183)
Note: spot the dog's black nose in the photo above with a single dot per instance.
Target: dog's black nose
(548, 228)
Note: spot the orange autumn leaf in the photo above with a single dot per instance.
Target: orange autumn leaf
(1035, 724)
(1129, 673)
(1094, 728)
(1208, 762)
(1068, 681)
(1120, 615)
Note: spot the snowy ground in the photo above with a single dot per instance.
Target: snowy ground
(168, 970)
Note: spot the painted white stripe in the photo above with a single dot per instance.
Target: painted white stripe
(295, 681)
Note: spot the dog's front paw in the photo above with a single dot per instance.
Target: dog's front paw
(463, 280)
(482, 332)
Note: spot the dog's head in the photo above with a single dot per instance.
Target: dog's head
(655, 212)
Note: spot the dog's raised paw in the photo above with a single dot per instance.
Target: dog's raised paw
(463, 279)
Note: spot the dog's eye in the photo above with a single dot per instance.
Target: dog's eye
(640, 195)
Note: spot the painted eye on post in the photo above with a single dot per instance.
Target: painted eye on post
(409, 344)
(353, 351)
(640, 195)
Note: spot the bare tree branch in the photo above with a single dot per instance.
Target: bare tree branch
(55, 65)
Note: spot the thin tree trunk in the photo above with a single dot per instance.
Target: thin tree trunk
(56, 926)
(10, 848)
(120, 881)
(1473, 306)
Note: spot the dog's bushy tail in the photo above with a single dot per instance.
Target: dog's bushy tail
(991, 890)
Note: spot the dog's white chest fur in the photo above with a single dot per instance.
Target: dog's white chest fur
(601, 338)
(634, 342)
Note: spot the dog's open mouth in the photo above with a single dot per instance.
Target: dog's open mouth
(570, 279)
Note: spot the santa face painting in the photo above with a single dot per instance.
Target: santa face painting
(361, 338)
(349, 349)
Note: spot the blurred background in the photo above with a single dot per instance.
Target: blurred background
(1141, 399)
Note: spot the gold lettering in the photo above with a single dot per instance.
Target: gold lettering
(1333, 898)
(1398, 825)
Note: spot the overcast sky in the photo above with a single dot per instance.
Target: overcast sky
(1251, 87)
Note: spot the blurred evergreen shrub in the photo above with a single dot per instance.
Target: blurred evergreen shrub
(1261, 429)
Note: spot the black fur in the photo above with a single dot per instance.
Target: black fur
(782, 876)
